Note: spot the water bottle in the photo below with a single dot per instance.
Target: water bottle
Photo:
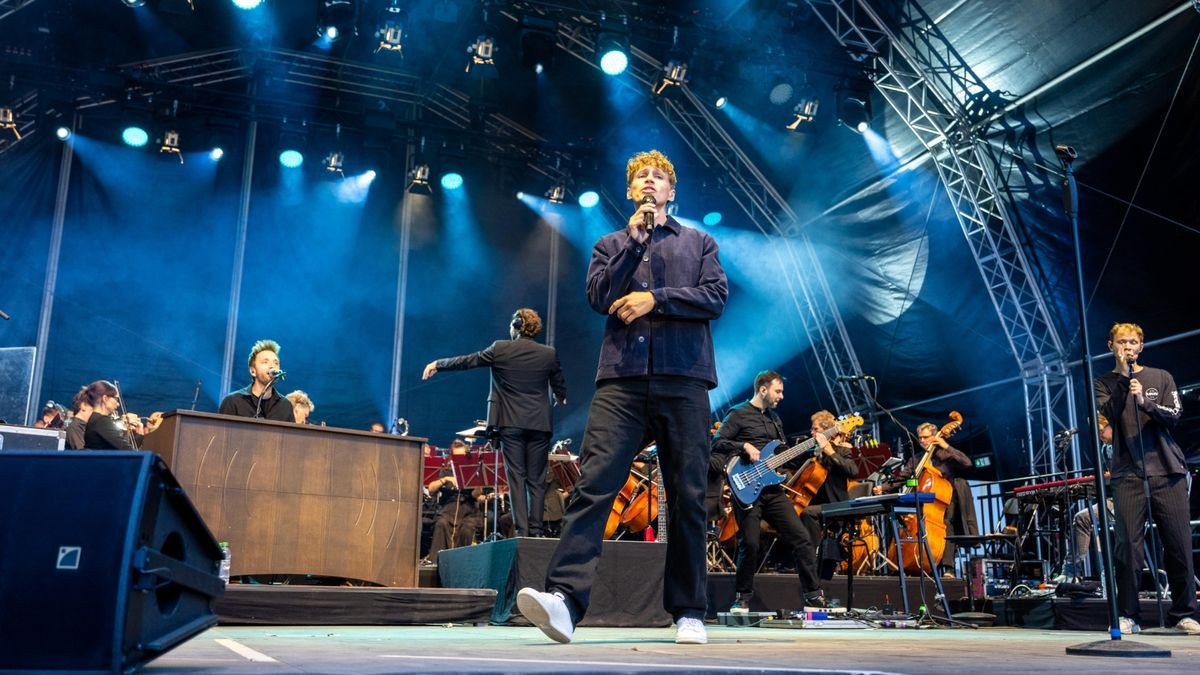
(225, 562)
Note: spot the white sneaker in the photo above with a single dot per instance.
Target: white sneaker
(1129, 626)
(1189, 626)
(690, 632)
(547, 611)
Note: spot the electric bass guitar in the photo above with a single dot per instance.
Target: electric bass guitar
(747, 479)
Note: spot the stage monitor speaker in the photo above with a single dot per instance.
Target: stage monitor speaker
(104, 562)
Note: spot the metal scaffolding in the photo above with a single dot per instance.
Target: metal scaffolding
(948, 107)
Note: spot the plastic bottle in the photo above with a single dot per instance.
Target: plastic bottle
(225, 562)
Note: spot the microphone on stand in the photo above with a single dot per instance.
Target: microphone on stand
(4, 315)
(278, 374)
(196, 394)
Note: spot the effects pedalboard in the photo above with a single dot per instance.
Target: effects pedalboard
(815, 617)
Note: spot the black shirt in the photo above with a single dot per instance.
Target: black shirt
(1154, 419)
(243, 404)
(102, 433)
(75, 433)
(746, 424)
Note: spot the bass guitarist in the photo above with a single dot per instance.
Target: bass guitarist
(745, 430)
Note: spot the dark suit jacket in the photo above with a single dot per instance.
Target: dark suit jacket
(523, 373)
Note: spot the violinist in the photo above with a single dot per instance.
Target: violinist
(103, 430)
(76, 426)
(837, 456)
(745, 430)
(960, 514)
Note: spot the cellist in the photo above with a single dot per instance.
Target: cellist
(745, 430)
(960, 514)
(837, 456)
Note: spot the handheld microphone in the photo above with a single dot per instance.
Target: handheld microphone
(648, 218)
(278, 374)
(1129, 361)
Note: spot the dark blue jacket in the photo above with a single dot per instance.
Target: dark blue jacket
(680, 266)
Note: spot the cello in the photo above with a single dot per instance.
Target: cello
(929, 479)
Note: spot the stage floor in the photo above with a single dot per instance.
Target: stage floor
(507, 649)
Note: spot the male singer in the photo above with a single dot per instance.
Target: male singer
(524, 373)
(260, 398)
(1142, 404)
(660, 284)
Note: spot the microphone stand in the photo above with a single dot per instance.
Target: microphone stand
(196, 395)
(1114, 646)
(259, 399)
(1149, 523)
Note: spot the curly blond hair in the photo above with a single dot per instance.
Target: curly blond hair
(652, 158)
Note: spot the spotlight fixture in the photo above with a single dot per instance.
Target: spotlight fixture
(803, 114)
(721, 101)
(333, 163)
(418, 180)
(336, 19)
(9, 121)
(674, 75)
(170, 144)
(537, 43)
(452, 181)
(557, 194)
(135, 136)
(246, 4)
(612, 47)
(589, 199)
(390, 28)
(133, 3)
(855, 113)
(216, 154)
(291, 159)
(62, 133)
(481, 52)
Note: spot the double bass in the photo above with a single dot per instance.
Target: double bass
(929, 479)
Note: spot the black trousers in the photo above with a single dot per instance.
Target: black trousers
(1169, 502)
(625, 414)
(525, 452)
(453, 529)
(774, 507)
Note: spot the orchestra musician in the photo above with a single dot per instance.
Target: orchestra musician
(302, 406)
(660, 283)
(836, 454)
(459, 516)
(260, 399)
(103, 430)
(960, 516)
(1142, 404)
(524, 373)
(745, 430)
(78, 422)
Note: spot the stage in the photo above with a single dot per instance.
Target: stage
(508, 649)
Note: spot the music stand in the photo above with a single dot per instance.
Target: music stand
(483, 471)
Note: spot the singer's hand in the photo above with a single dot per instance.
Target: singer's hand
(637, 223)
(430, 370)
(633, 306)
(1135, 388)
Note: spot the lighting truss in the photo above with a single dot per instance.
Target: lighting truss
(946, 105)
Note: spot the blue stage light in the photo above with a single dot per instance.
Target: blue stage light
(614, 62)
(520, 195)
(712, 218)
(135, 136)
(63, 133)
(721, 101)
(246, 4)
(369, 175)
(589, 199)
(216, 154)
(452, 181)
(291, 158)
(331, 33)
